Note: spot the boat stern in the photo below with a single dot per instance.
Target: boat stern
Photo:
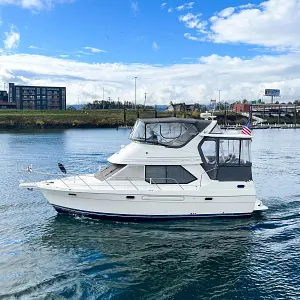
(259, 206)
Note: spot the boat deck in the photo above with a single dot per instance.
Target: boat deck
(89, 182)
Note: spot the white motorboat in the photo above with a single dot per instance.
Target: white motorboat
(173, 168)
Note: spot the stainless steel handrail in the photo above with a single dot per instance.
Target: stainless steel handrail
(206, 173)
(152, 180)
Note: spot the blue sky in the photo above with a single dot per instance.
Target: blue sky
(125, 29)
(179, 50)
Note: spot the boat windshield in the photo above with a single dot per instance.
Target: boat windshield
(172, 135)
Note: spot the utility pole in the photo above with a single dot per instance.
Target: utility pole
(103, 100)
(135, 92)
(145, 100)
(225, 113)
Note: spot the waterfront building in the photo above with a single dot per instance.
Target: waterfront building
(3, 96)
(37, 97)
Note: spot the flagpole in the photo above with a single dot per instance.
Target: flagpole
(250, 115)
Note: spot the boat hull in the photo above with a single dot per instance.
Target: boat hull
(149, 206)
(140, 218)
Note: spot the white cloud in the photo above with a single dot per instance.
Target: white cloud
(155, 46)
(134, 7)
(170, 10)
(198, 82)
(185, 6)
(35, 5)
(193, 21)
(163, 5)
(226, 12)
(36, 48)
(64, 55)
(249, 5)
(83, 52)
(191, 37)
(94, 50)
(273, 23)
(12, 39)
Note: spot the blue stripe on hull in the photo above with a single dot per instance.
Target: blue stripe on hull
(125, 217)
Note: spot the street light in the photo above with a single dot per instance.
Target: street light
(135, 92)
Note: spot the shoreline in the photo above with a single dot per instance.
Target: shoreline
(88, 119)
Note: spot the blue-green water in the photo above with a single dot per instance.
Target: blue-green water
(48, 256)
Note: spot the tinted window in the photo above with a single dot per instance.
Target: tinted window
(168, 174)
(108, 171)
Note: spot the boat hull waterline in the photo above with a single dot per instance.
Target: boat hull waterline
(150, 206)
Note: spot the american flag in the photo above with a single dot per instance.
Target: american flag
(246, 129)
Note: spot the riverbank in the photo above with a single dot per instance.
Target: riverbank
(14, 119)
(32, 119)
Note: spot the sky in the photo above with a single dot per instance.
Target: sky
(179, 51)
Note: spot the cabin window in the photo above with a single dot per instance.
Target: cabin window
(209, 151)
(168, 175)
(229, 152)
(109, 171)
(234, 152)
(245, 158)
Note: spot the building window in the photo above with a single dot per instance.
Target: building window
(168, 175)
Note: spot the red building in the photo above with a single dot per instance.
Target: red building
(241, 108)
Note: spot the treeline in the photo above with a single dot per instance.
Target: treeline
(100, 104)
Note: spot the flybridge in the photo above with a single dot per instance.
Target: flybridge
(169, 132)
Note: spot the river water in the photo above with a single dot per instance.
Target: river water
(44, 255)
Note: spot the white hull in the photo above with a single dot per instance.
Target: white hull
(150, 205)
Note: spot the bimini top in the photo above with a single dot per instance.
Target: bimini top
(168, 132)
(200, 124)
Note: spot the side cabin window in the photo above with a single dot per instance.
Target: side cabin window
(173, 135)
(108, 171)
(209, 149)
(168, 175)
(234, 152)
